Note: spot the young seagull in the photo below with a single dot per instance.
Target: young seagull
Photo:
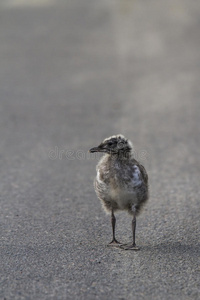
(121, 182)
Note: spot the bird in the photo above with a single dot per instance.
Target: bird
(121, 182)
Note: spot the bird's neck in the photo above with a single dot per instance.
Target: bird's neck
(122, 156)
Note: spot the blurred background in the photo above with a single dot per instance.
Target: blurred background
(71, 74)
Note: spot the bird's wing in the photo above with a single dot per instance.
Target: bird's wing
(144, 173)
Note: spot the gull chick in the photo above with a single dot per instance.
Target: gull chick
(121, 182)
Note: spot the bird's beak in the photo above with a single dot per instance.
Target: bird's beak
(95, 149)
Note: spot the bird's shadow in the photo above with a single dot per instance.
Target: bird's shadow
(173, 248)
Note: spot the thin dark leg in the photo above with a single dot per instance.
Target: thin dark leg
(113, 222)
(134, 228)
(133, 245)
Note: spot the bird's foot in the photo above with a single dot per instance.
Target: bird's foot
(114, 243)
(129, 247)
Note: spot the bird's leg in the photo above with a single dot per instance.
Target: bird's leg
(114, 242)
(133, 245)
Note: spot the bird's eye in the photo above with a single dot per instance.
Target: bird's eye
(120, 145)
(109, 143)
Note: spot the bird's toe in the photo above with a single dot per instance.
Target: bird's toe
(114, 243)
(129, 247)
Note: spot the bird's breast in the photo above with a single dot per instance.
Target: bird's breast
(120, 185)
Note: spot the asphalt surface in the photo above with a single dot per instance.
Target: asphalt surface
(71, 74)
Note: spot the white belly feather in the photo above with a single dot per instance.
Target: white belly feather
(122, 193)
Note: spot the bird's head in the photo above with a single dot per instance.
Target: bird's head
(116, 144)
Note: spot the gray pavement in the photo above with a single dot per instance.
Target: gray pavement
(71, 74)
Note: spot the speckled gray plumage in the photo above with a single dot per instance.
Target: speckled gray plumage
(121, 182)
